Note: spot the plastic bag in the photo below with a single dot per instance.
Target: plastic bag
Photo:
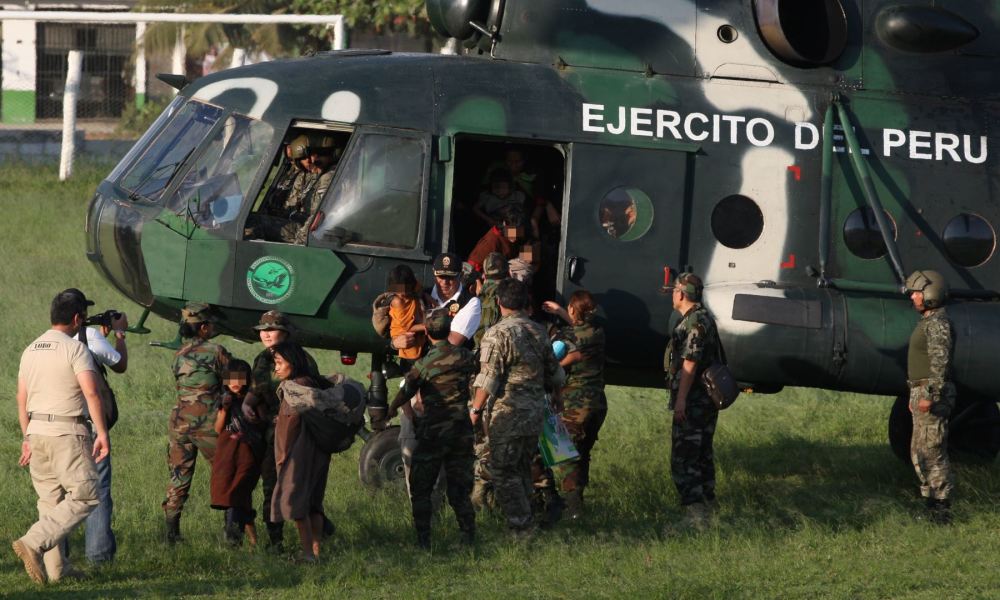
(555, 442)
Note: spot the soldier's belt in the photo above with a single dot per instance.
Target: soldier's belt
(79, 419)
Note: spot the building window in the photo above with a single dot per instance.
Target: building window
(969, 240)
(737, 221)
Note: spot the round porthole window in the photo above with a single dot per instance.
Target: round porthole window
(970, 240)
(737, 221)
(626, 214)
(862, 235)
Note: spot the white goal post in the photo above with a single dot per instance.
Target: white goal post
(141, 19)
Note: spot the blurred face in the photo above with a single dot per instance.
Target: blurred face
(515, 163)
(918, 301)
(282, 368)
(501, 189)
(236, 382)
(448, 286)
(270, 337)
(513, 233)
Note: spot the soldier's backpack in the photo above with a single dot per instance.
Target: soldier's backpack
(380, 314)
(490, 308)
(332, 417)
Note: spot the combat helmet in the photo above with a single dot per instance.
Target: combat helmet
(932, 284)
(299, 147)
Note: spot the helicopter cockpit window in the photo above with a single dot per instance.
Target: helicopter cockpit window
(156, 166)
(737, 221)
(213, 190)
(969, 240)
(862, 235)
(626, 214)
(375, 200)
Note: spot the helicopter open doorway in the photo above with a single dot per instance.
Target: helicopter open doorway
(538, 173)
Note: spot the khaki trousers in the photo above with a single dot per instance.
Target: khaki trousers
(65, 478)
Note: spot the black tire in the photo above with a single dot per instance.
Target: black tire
(381, 460)
(974, 432)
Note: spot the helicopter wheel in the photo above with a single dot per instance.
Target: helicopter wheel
(381, 460)
(974, 429)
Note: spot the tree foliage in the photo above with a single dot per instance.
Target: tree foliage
(377, 16)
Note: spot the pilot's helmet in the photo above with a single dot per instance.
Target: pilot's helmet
(932, 284)
(299, 147)
(322, 144)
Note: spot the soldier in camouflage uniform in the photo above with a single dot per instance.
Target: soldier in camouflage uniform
(693, 345)
(444, 432)
(584, 404)
(516, 367)
(932, 394)
(199, 368)
(495, 270)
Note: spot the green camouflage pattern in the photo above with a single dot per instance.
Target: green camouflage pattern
(490, 309)
(199, 369)
(929, 443)
(694, 338)
(930, 357)
(692, 456)
(516, 367)
(584, 424)
(510, 468)
(930, 353)
(584, 387)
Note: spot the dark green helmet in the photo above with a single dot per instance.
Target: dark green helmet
(932, 284)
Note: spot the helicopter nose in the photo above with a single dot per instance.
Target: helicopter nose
(113, 234)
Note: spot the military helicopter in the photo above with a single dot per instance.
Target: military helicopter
(800, 156)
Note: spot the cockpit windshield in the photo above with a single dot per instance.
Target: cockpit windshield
(152, 170)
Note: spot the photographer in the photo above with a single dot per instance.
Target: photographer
(100, 539)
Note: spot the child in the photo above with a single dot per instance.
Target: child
(406, 312)
(238, 453)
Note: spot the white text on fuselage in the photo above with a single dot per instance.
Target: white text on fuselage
(736, 129)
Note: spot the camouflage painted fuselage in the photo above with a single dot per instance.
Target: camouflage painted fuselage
(644, 96)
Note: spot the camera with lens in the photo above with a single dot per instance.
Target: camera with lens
(104, 319)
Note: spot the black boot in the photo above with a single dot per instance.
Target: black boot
(940, 511)
(234, 527)
(328, 528)
(276, 536)
(174, 529)
(553, 508)
(424, 540)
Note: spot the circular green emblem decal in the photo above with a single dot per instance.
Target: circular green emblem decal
(271, 279)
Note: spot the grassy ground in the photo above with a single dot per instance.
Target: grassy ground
(813, 504)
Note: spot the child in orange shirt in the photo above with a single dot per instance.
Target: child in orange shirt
(406, 312)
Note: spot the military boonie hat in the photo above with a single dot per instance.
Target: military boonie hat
(299, 147)
(197, 312)
(495, 265)
(690, 284)
(274, 319)
(447, 265)
(438, 320)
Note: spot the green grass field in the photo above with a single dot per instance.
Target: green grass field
(813, 503)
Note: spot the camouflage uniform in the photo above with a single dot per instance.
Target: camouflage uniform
(692, 459)
(584, 404)
(929, 371)
(199, 368)
(443, 433)
(303, 202)
(517, 366)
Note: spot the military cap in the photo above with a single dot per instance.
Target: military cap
(447, 265)
(495, 265)
(299, 147)
(197, 312)
(438, 321)
(274, 319)
(690, 284)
